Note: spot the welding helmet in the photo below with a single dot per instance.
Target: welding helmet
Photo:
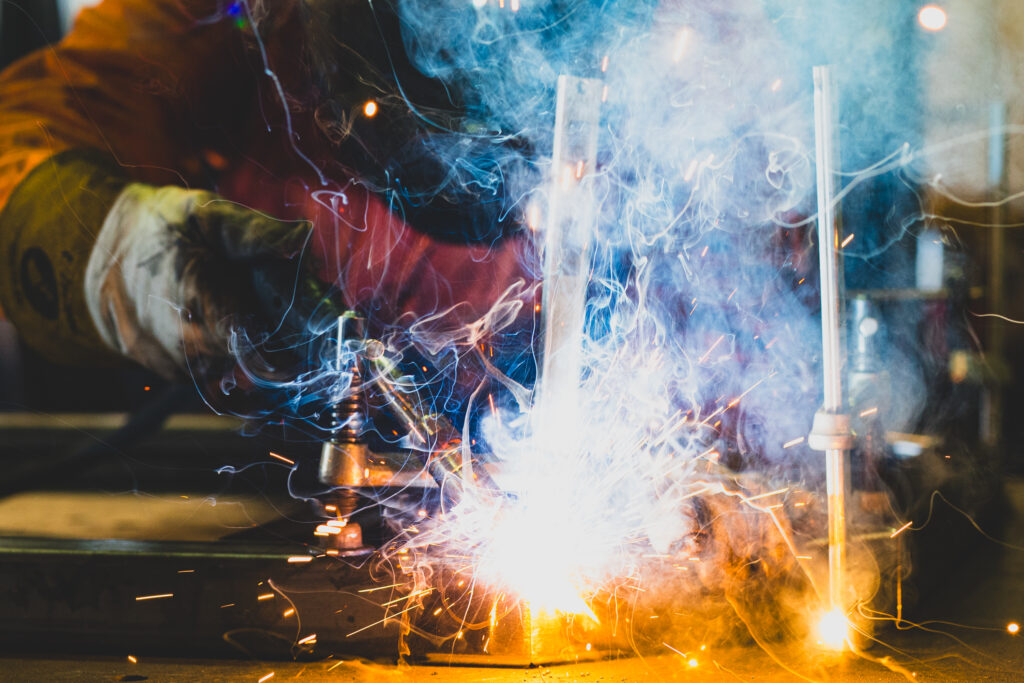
(411, 137)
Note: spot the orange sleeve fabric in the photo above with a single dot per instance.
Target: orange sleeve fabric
(135, 79)
(139, 89)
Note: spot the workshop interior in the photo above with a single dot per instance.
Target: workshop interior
(711, 364)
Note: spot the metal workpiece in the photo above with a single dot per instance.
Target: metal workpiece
(569, 230)
(830, 431)
(831, 277)
(344, 458)
(433, 436)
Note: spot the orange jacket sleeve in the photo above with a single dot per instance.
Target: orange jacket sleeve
(148, 84)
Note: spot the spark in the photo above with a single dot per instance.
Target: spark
(793, 442)
(833, 629)
(765, 495)
(379, 588)
(132, 659)
(186, 571)
(381, 621)
(408, 597)
(288, 612)
(869, 411)
(717, 342)
(900, 530)
(691, 169)
(157, 596)
(311, 638)
(265, 596)
(370, 109)
(533, 216)
(298, 559)
(682, 43)
(1013, 628)
(932, 18)
(849, 238)
(283, 459)
(776, 84)
(266, 678)
(604, 64)
(494, 411)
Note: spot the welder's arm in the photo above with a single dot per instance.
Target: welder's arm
(160, 280)
(132, 94)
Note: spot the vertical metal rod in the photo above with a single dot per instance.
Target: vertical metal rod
(831, 327)
(569, 228)
(997, 189)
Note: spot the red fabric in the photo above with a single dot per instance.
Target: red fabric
(173, 90)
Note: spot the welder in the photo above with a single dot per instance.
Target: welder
(181, 178)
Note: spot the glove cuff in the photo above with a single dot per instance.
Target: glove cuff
(47, 231)
(136, 282)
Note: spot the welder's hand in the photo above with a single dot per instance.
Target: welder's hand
(176, 274)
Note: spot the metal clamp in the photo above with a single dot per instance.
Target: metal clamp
(830, 432)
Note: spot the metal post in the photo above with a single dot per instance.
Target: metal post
(830, 422)
(569, 228)
(997, 190)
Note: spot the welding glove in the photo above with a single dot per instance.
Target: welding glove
(175, 274)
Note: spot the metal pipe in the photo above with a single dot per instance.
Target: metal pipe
(996, 296)
(568, 233)
(825, 114)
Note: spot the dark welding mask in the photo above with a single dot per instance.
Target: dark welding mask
(411, 137)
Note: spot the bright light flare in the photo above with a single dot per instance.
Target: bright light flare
(833, 630)
(1013, 628)
(932, 18)
(370, 109)
(682, 44)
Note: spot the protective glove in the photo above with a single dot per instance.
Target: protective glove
(175, 273)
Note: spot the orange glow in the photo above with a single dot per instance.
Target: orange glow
(370, 109)
(932, 18)
(832, 630)
(1013, 628)
(154, 597)
(283, 459)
